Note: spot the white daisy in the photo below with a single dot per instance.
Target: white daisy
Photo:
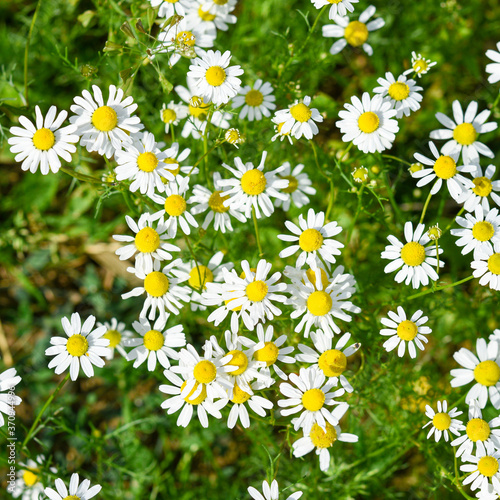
(488, 493)
(369, 123)
(257, 101)
(219, 6)
(272, 492)
(234, 136)
(299, 186)
(443, 421)
(493, 68)
(172, 113)
(117, 335)
(462, 132)
(483, 188)
(210, 20)
(278, 128)
(402, 93)
(484, 467)
(8, 381)
(174, 157)
(105, 127)
(337, 7)
(299, 119)
(43, 143)
(169, 8)
(28, 483)
(84, 346)
(487, 267)
(78, 491)
(419, 65)
(239, 412)
(414, 259)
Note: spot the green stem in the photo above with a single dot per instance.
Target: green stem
(172, 133)
(254, 215)
(390, 194)
(205, 147)
(425, 207)
(26, 52)
(397, 159)
(321, 171)
(495, 102)
(437, 257)
(451, 223)
(203, 157)
(345, 153)
(356, 215)
(449, 285)
(83, 177)
(330, 202)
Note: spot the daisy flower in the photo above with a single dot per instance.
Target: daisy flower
(162, 289)
(83, 346)
(331, 361)
(481, 231)
(487, 494)
(404, 331)
(174, 157)
(403, 94)
(337, 7)
(149, 244)
(117, 335)
(41, 144)
(172, 113)
(369, 123)
(239, 412)
(214, 78)
(271, 492)
(462, 132)
(484, 467)
(78, 491)
(354, 33)
(8, 381)
(487, 267)
(169, 8)
(257, 101)
(251, 187)
(484, 369)
(321, 440)
(419, 65)
(443, 421)
(299, 186)
(28, 485)
(413, 258)
(313, 238)
(443, 168)
(105, 127)
(278, 128)
(493, 68)
(234, 136)
(218, 6)
(201, 16)
(299, 119)
(483, 188)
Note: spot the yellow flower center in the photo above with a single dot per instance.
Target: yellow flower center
(256, 291)
(156, 284)
(335, 1)
(200, 110)
(478, 430)
(487, 373)
(114, 337)
(147, 240)
(253, 182)
(488, 466)
(220, 2)
(293, 184)
(254, 98)
(154, 340)
(310, 240)
(311, 276)
(465, 134)
(44, 139)
(237, 308)
(407, 330)
(239, 396)
(322, 439)
(104, 118)
(269, 353)
(313, 399)
(319, 303)
(240, 360)
(301, 112)
(494, 263)
(215, 76)
(186, 38)
(175, 205)
(482, 186)
(368, 122)
(205, 371)
(199, 276)
(71, 497)
(280, 126)
(483, 230)
(356, 33)
(206, 16)
(77, 345)
(416, 167)
(360, 174)
(168, 115)
(147, 162)
(216, 202)
(413, 254)
(30, 478)
(199, 399)
(333, 363)
(171, 1)
(445, 167)
(441, 421)
(420, 66)
(399, 91)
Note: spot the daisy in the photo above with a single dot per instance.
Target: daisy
(403, 94)
(487, 494)
(218, 6)
(105, 127)
(278, 128)
(172, 113)
(443, 168)
(312, 238)
(337, 7)
(462, 132)
(8, 381)
(162, 289)
(415, 259)
(117, 335)
(483, 369)
(299, 119)
(321, 440)
(443, 421)
(369, 123)
(149, 244)
(214, 78)
(174, 157)
(354, 33)
(43, 143)
(252, 189)
(419, 65)
(493, 68)
(481, 231)
(169, 8)
(484, 467)
(84, 346)
(483, 188)
(331, 361)
(239, 412)
(28, 484)
(210, 20)
(487, 267)
(299, 186)
(303, 276)
(271, 492)
(256, 101)
(77, 491)
(234, 136)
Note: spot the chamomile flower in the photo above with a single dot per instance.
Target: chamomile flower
(419, 65)
(402, 93)
(487, 267)
(209, 20)
(271, 492)
(484, 467)
(8, 381)
(337, 7)
(414, 259)
(219, 6)
(331, 361)
(174, 157)
(493, 68)
(299, 186)
(239, 412)
(76, 491)
(41, 144)
(299, 119)
(354, 33)
(169, 8)
(172, 113)
(483, 188)
(28, 483)
(117, 335)
(462, 132)
(83, 346)
(488, 493)
(369, 123)
(252, 189)
(484, 369)
(278, 128)
(105, 128)
(402, 331)
(257, 101)
(213, 78)
(443, 421)
(312, 238)
(234, 136)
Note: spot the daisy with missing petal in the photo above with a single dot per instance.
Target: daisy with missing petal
(483, 188)
(117, 335)
(443, 421)
(403, 94)
(414, 259)
(171, 114)
(369, 123)
(484, 467)
(462, 132)
(271, 492)
(239, 412)
(278, 128)
(105, 127)
(493, 68)
(354, 33)
(214, 78)
(43, 143)
(28, 483)
(313, 238)
(487, 267)
(419, 65)
(8, 381)
(76, 491)
(338, 7)
(257, 101)
(299, 119)
(83, 346)
(299, 186)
